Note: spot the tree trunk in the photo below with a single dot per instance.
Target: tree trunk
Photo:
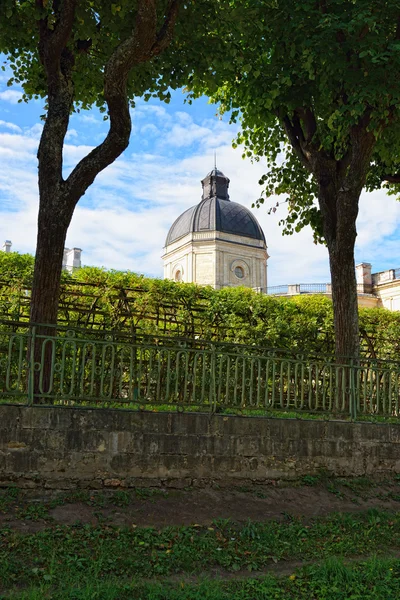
(339, 209)
(52, 231)
(345, 305)
(340, 182)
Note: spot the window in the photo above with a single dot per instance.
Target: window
(239, 272)
(178, 275)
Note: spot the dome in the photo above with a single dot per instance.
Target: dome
(216, 213)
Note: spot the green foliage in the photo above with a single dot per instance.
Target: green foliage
(104, 25)
(97, 299)
(69, 558)
(337, 60)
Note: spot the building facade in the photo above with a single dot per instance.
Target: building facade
(217, 242)
(72, 258)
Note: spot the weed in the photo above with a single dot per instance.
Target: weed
(333, 579)
(33, 512)
(121, 498)
(70, 558)
(145, 493)
(8, 497)
(331, 487)
(310, 479)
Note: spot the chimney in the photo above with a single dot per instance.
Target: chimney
(7, 246)
(72, 259)
(364, 278)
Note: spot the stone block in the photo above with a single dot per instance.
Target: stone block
(178, 483)
(247, 445)
(189, 424)
(10, 416)
(236, 425)
(394, 433)
(376, 432)
(61, 418)
(123, 463)
(36, 417)
(84, 440)
(342, 430)
(6, 435)
(143, 482)
(21, 461)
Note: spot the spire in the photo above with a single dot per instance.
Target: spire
(215, 184)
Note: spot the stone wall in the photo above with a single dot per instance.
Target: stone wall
(69, 447)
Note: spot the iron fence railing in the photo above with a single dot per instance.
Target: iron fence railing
(69, 369)
(312, 288)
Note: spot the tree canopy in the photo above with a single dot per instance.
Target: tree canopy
(77, 54)
(97, 29)
(329, 63)
(316, 86)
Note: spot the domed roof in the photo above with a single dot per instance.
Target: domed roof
(216, 213)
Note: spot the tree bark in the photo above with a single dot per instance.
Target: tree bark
(339, 209)
(344, 298)
(48, 264)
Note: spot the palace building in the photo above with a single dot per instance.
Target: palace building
(217, 242)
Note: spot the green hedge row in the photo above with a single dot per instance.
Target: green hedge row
(124, 301)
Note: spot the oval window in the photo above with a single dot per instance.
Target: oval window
(239, 272)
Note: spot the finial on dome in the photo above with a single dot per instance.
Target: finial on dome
(215, 159)
(215, 184)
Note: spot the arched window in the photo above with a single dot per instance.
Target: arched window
(178, 275)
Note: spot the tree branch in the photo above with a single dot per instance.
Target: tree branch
(391, 178)
(309, 123)
(144, 43)
(57, 61)
(165, 34)
(53, 41)
(397, 36)
(293, 133)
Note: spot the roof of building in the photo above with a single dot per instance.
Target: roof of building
(216, 212)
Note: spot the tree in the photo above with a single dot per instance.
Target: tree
(316, 85)
(77, 54)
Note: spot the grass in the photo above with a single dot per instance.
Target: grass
(333, 579)
(273, 413)
(60, 554)
(90, 562)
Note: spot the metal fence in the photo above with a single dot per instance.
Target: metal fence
(312, 288)
(71, 369)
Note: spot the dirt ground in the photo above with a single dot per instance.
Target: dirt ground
(159, 508)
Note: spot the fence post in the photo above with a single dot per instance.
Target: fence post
(353, 398)
(213, 383)
(31, 365)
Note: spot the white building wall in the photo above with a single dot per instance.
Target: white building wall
(210, 258)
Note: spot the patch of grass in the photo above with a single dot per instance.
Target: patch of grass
(100, 552)
(358, 485)
(374, 579)
(310, 480)
(145, 493)
(33, 511)
(8, 496)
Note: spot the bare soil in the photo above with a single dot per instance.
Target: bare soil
(159, 508)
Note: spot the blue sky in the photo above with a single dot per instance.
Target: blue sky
(123, 219)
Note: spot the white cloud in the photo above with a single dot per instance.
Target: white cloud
(11, 126)
(71, 133)
(123, 219)
(11, 96)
